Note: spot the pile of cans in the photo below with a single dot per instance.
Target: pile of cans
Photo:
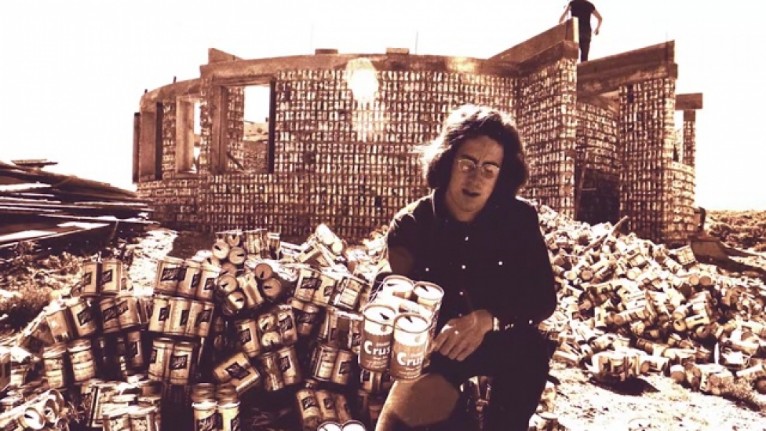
(89, 344)
(305, 325)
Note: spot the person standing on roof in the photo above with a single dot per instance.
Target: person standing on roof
(582, 10)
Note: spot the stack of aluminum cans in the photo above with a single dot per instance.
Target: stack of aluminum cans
(91, 343)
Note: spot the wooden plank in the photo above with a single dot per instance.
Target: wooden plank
(561, 50)
(662, 53)
(610, 80)
(22, 187)
(539, 43)
(685, 102)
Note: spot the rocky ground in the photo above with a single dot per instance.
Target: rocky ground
(651, 402)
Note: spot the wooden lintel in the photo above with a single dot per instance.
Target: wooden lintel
(561, 50)
(539, 43)
(663, 53)
(248, 72)
(610, 80)
(189, 87)
(608, 102)
(216, 56)
(685, 102)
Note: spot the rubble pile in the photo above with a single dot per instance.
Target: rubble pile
(628, 307)
(258, 333)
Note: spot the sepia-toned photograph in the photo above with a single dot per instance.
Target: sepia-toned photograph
(382, 215)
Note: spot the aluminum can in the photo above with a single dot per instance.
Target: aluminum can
(323, 361)
(54, 366)
(168, 269)
(306, 316)
(324, 293)
(181, 362)
(188, 278)
(81, 313)
(342, 408)
(343, 368)
(397, 285)
(57, 319)
(272, 288)
(308, 283)
(377, 337)
(101, 393)
(83, 361)
(110, 321)
(195, 307)
(162, 349)
(134, 350)
(115, 418)
(326, 404)
(143, 418)
(289, 366)
(160, 313)
(238, 371)
(247, 336)
(178, 318)
(308, 407)
(249, 285)
(329, 327)
(228, 414)
(127, 311)
(111, 276)
(375, 382)
(409, 347)
(208, 275)
(88, 285)
(205, 416)
(272, 377)
(204, 319)
(237, 255)
(286, 325)
(348, 290)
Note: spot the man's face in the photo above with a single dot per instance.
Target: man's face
(473, 177)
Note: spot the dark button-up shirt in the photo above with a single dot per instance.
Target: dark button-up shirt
(498, 262)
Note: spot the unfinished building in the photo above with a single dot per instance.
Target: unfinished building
(288, 143)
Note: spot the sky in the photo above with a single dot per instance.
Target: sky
(74, 71)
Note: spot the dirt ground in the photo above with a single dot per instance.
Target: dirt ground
(652, 402)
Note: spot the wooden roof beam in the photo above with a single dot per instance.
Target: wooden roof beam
(538, 44)
(607, 74)
(690, 101)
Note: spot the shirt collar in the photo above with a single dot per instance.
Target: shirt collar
(443, 215)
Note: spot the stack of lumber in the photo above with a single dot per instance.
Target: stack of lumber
(41, 206)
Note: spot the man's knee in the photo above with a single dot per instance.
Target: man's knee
(410, 404)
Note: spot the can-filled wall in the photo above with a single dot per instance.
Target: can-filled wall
(646, 126)
(336, 158)
(547, 124)
(597, 178)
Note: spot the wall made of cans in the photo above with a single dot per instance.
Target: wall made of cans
(349, 161)
(547, 120)
(690, 138)
(337, 160)
(597, 194)
(649, 177)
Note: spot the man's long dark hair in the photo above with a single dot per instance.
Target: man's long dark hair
(471, 121)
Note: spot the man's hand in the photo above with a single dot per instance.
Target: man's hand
(460, 337)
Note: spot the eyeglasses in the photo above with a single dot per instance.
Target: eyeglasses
(488, 170)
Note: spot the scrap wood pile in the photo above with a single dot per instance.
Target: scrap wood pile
(50, 208)
(261, 334)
